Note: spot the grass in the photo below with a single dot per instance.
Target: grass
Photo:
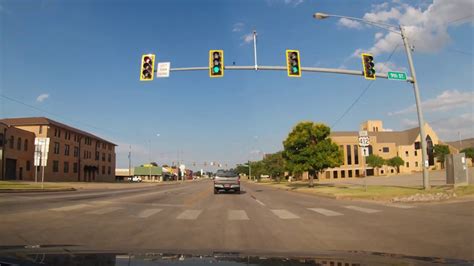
(373, 192)
(18, 185)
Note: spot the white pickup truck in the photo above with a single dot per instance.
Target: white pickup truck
(226, 181)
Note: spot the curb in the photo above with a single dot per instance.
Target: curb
(35, 190)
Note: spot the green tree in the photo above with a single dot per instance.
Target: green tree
(242, 169)
(375, 161)
(257, 169)
(309, 148)
(274, 165)
(469, 152)
(440, 151)
(395, 162)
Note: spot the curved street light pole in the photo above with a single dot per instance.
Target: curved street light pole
(421, 122)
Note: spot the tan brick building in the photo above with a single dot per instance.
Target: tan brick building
(74, 155)
(387, 144)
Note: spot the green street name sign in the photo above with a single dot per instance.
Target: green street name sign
(397, 75)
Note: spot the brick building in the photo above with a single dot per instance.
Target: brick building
(74, 155)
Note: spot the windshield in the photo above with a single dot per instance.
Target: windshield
(248, 128)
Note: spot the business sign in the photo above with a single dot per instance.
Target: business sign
(163, 70)
(41, 151)
(397, 75)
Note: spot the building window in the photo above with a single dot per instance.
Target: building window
(56, 148)
(40, 131)
(350, 173)
(97, 154)
(381, 172)
(28, 165)
(103, 157)
(356, 154)
(406, 153)
(417, 145)
(357, 173)
(391, 171)
(66, 149)
(108, 170)
(343, 155)
(416, 153)
(18, 144)
(328, 174)
(55, 166)
(25, 146)
(59, 133)
(416, 164)
(370, 149)
(85, 154)
(97, 145)
(12, 142)
(1, 139)
(385, 149)
(103, 170)
(76, 151)
(343, 174)
(408, 165)
(349, 156)
(55, 132)
(74, 167)
(109, 158)
(66, 167)
(334, 174)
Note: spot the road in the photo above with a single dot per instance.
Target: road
(190, 218)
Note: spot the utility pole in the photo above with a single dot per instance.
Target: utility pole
(250, 170)
(130, 160)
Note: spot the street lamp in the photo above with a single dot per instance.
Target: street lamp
(421, 122)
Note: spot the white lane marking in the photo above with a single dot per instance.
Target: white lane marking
(105, 210)
(360, 209)
(259, 202)
(284, 214)
(325, 212)
(237, 215)
(401, 206)
(149, 212)
(70, 208)
(189, 215)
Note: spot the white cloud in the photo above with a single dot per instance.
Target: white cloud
(42, 97)
(384, 67)
(293, 2)
(378, 35)
(238, 27)
(447, 100)
(408, 123)
(427, 29)
(349, 23)
(247, 38)
(448, 129)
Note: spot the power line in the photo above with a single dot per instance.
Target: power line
(53, 114)
(365, 90)
(459, 19)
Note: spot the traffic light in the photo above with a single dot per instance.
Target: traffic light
(148, 66)
(369, 66)
(293, 63)
(216, 63)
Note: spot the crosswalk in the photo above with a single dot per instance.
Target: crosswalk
(232, 215)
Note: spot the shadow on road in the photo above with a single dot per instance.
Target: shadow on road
(231, 193)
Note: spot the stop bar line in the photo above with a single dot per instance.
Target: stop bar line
(283, 68)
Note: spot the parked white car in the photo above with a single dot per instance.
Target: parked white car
(135, 179)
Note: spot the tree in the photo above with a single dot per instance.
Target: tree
(154, 164)
(469, 152)
(242, 169)
(440, 151)
(309, 148)
(257, 169)
(274, 165)
(375, 161)
(395, 162)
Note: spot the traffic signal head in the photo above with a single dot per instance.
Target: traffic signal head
(293, 63)
(216, 63)
(148, 67)
(369, 66)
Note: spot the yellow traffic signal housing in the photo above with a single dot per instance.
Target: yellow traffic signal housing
(148, 67)
(293, 63)
(369, 66)
(216, 63)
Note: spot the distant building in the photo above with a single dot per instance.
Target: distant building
(74, 155)
(149, 174)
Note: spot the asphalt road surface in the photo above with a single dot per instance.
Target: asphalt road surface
(190, 218)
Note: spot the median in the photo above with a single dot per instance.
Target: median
(378, 193)
(18, 186)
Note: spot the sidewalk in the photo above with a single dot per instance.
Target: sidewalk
(437, 178)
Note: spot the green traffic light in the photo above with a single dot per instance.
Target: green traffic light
(216, 69)
(295, 70)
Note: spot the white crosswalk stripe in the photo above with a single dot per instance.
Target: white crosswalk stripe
(284, 214)
(237, 215)
(361, 209)
(70, 208)
(325, 212)
(105, 210)
(189, 215)
(148, 212)
(401, 206)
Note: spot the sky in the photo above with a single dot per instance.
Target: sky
(78, 62)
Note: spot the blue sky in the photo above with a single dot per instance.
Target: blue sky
(78, 62)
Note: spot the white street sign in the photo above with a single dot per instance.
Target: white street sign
(363, 133)
(163, 70)
(364, 141)
(41, 151)
(365, 151)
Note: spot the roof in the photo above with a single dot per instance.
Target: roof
(147, 171)
(462, 144)
(405, 137)
(33, 121)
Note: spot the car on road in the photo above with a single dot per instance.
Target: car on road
(135, 179)
(226, 181)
